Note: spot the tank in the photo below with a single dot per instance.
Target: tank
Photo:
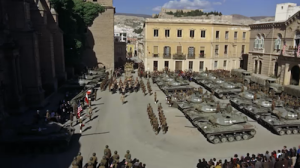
(210, 78)
(281, 121)
(200, 76)
(182, 81)
(45, 136)
(226, 89)
(188, 103)
(258, 108)
(243, 99)
(227, 126)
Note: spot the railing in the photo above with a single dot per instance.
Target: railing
(167, 56)
(155, 55)
(179, 56)
(201, 55)
(191, 56)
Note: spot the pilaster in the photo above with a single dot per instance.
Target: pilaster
(287, 74)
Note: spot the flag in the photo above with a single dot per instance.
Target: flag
(87, 96)
(298, 50)
(79, 110)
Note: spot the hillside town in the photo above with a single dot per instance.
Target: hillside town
(84, 86)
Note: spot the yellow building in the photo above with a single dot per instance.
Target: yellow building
(130, 49)
(182, 44)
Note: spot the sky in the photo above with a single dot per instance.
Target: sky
(227, 7)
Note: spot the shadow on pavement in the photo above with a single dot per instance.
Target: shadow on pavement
(95, 133)
(190, 126)
(87, 128)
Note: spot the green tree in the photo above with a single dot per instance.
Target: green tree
(74, 18)
(138, 31)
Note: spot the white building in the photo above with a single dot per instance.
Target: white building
(285, 10)
(121, 36)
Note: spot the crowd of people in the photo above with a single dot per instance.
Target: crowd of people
(108, 161)
(284, 158)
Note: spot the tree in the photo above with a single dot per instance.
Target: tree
(138, 31)
(74, 18)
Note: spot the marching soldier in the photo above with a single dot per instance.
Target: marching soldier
(155, 98)
(229, 108)
(90, 113)
(242, 89)
(81, 124)
(79, 160)
(103, 161)
(159, 107)
(91, 163)
(107, 153)
(122, 98)
(218, 109)
(116, 157)
(255, 96)
(95, 160)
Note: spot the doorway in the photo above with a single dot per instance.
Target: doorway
(178, 66)
(295, 73)
(155, 65)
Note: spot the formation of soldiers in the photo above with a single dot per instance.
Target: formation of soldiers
(108, 160)
(154, 120)
(143, 86)
(105, 82)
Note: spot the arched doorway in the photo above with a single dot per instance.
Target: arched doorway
(255, 66)
(260, 66)
(295, 75)
(276, 69)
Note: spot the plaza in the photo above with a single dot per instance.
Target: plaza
(127, 127)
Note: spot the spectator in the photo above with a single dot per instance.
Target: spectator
(278, 154)
(200, 164)
(258, 164)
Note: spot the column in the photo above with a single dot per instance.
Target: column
(287, 75)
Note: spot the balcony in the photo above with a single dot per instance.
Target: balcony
(290, 51)
(155, 55)
(167, 56)
(191, 56)
(258, 50)
(201, 55)
(179, 56)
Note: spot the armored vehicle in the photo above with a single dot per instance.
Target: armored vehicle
(225, 127)
(215, 84)
(182, 81)
(241, 73)
(201, 76)
(282, 121)
(28, 137)
(242, 100)
(227, 89)
(292, 90)
(268, 82)
(210, 78)
(187, 103)
(258, 108)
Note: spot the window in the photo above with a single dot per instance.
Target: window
(155, 65)
(155, 51)
(167, 33)
(201, 66)
(167, 51)
(191, 52)
(217, 34)
(224, 63)
(202, 33)
(278, 42)
(217, 50)
(244, 35)
(155, 32)
(216, 64)
(166, 64)
(192, 33)
(235, 35)
(202, 52)
(243, 49)
(226, 35)
(179, 33)
(190, 65)
(225, 49)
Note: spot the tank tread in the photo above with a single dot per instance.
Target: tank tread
(233, 104)
(286, 129)
(230, 136)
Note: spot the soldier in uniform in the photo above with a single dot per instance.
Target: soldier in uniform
(75, 163)
(127, 155)
(101, 165)
(104, 161)
(229, 108)
(79, 160)
(107, 152)
(218, 109)
(155, 98)
(273, 104)
(242, 89)
(90, 113)
(255, 96)
(159, 107)
(91, 162)
(90, 165)
(95, 160)
(81, 124)
(122, 98)
(116, 157)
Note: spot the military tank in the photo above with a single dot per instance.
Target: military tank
(259, 107)
(182, 81)
(216, 127)
(243, 99)
(199, 77)
(225, 127)
(210, 78)
(188, 103)
(215, 84)
(227, 89)
(36, 137)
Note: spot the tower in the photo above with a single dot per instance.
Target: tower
(100, 37)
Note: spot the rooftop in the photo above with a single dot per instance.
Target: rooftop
(188, 21)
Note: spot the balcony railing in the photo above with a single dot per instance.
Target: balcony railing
(155, 55)
(179, 56)
(167, 56)
(191, 56)
(201, 55)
